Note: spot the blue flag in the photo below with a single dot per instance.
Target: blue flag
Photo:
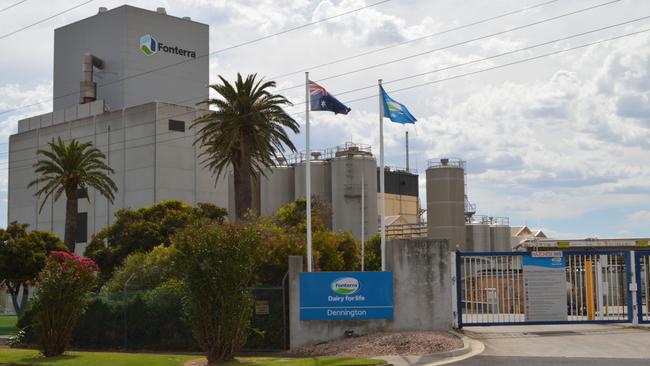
(321, 100)
(397, 112)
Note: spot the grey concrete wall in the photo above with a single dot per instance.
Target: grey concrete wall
(114, 36)
(422, 285)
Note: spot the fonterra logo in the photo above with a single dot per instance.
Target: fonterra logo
(149, 46)
(346, 286)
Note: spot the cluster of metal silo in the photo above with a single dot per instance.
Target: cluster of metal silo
(336, 176)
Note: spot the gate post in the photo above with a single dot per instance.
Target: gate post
(632, 287)
(457, 298)
(454, 291)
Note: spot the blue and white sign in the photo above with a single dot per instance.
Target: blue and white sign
(346, 295)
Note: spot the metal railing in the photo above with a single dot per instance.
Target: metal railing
(406, 231)
(446, 162)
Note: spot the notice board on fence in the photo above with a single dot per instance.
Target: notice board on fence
(545, 288)
(346, 295)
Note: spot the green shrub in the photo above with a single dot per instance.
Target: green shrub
(218, 265)
(139, 231)
(62, 294)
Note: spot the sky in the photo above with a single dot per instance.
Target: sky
(559, 142)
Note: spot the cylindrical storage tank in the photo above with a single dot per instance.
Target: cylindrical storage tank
(276, 189)
(346, 170)
(500, 237)
(446, 202)
(477, 238)
(320, 180)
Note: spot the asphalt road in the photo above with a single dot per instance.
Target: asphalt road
(539, 361)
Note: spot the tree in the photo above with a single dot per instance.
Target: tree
(66, 169)
(217, 263)
(62, 295)
(283, 235)
(22, 257)
(246, 131)
(139, 231)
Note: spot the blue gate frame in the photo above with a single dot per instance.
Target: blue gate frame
(642, 271)
(507, 258)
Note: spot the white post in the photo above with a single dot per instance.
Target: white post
(633, 289)
(308, 172)
(599, 287)
(363, 223)
(382, 217)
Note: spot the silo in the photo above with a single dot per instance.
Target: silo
(349, 164)
(446, 201)
(276, 189)
(320, 180)
(477, 238)
(500, 236)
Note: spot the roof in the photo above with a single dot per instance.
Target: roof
(394, 220)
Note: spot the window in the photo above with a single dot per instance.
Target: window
(82, 193)
(81, 236)
(175, 125)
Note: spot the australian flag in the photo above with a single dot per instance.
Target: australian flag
(321, 100)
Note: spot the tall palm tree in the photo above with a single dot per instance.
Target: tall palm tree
(67, 169)
(245, 131)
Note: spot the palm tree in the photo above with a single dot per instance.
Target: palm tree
(245, 131)
(69, 168)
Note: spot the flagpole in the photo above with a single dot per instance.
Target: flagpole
(382, 218)
(308, 172)
(363, 224)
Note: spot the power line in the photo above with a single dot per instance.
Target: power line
(211, 53)
(369, 96)
(459, 43)
(453, 66)
(12, 5)
(485, 20)
(398, 44)
(437, 70)
(46, 19)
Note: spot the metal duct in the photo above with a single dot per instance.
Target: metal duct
(88, 85)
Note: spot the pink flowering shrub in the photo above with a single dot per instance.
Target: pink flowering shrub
(61, 295)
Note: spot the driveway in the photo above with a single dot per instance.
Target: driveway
(588, 344)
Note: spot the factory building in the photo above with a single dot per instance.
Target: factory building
(127, 80)
(121, 81)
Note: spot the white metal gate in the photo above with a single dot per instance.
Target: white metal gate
(491, 288)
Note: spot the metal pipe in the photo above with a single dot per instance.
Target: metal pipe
(88, 86)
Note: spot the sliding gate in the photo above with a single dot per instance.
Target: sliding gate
(549, 287)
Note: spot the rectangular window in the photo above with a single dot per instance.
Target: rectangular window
(175, 125)
(82, 193)
(81, 236)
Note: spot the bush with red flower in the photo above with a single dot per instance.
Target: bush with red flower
(62, 294)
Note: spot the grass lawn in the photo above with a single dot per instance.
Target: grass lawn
(31, 357)
(7, 324)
